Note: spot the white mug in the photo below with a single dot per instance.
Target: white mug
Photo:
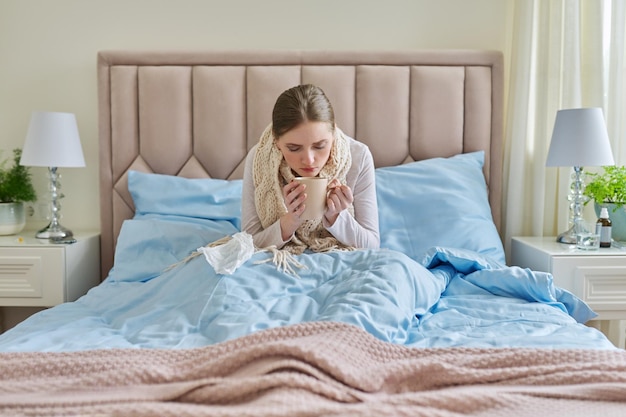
(315, 202)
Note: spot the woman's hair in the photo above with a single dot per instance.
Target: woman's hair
(300, 104)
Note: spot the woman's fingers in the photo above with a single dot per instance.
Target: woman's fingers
(334, 183)
(341, 197)
(347, 194)
(294, 196)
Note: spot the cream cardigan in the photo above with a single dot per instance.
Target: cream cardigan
(360, 231)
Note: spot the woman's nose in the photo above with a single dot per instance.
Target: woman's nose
(308, 157)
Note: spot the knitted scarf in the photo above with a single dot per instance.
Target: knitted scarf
(271, 173)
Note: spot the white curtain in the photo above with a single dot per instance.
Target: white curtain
(564, 54)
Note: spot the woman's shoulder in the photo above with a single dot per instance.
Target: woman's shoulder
(356, 146)
(362, 160)
(358, 149)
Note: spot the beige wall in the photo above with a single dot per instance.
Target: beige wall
(48, 51)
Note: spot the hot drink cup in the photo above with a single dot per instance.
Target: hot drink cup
(315, 202)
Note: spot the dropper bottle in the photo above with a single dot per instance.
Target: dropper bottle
(603, 228)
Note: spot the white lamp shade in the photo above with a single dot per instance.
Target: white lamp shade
(580, 139)
(52, 141)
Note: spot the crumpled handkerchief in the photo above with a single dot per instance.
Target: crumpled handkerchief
(226, 258)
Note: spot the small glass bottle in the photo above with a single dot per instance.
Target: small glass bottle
(603, 228)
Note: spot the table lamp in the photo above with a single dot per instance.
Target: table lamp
(52, 141)
(579, 139)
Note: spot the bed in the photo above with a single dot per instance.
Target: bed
(433, 323)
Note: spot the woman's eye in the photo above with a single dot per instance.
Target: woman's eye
(320, 145)
(293, 149)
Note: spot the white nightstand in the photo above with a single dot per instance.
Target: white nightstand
(38, 273)
(598, 277)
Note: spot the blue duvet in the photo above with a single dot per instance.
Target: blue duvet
(449, 297)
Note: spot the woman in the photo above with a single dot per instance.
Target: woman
(304, 141)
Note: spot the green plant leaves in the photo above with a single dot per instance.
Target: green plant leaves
(608, 186)
(15, 181)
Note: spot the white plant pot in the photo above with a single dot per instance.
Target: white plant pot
(12, 218)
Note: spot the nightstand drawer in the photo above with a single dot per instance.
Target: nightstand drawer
(32, 276)
(602, 287)
(36, 273)
(600, 281)
(22, 273)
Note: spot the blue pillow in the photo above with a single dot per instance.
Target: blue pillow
(173, 217)
(437, 202)
(171, 196)
(146, 247)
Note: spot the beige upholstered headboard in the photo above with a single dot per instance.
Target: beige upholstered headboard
(196, 114)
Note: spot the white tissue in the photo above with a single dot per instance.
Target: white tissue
(226, 258)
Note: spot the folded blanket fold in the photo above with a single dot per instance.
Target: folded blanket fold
(319, 368)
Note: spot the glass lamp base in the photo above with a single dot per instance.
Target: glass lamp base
(54, 231)
(568, 237)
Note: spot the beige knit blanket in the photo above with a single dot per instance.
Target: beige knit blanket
(315, 369)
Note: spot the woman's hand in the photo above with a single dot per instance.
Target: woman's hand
(294, 197)
(339, 198)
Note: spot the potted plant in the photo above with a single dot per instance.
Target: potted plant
(608, 189)
(16, 187)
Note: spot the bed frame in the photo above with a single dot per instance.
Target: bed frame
(196, 114)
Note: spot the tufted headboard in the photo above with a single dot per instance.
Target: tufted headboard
(196, 114)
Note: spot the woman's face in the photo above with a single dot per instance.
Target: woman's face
(306, 148)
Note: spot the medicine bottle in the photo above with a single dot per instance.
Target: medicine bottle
(603, 228)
